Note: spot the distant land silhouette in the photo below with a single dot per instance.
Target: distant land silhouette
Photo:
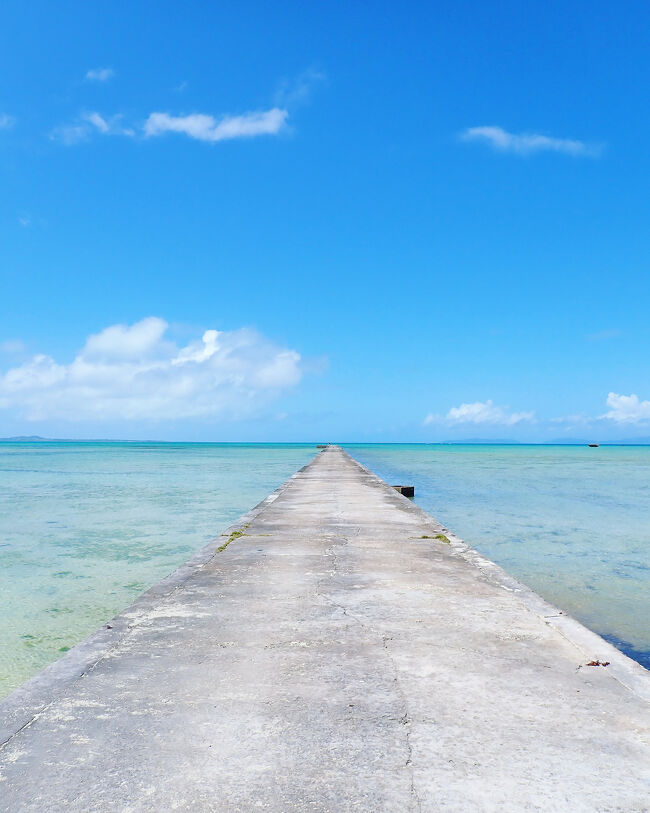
(24, 438)
(643, 441)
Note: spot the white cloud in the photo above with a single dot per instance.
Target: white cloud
(196, 125)
(208, 128)
(97, 121)
(110, 126)
(88, 124)
(627, 409)
(116, 342)
(6, 121)
(480, 412)
(100, 74)
(527, 143)
(134, 372)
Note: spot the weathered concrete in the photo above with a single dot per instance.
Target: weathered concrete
(333, 660)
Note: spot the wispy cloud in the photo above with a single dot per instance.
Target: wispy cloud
(86, 125)
(136, 372)
(195, 125)
(627, 409)
(603, 335)
(292, 92)
(480, 412)
(527, 143)
(69, 134)
(12, 347)
(623, 410)
(6, 121)
(208, 128)
(100, 74)
(572, 420)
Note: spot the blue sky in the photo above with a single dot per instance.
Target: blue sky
(416, 221)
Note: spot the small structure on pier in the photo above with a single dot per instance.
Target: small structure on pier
(406, 491)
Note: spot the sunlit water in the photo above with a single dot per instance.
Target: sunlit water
(571, 522)
(86, 527)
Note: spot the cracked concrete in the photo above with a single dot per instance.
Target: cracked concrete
(331, 659)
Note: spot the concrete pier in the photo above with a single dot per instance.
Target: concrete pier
(344, 652)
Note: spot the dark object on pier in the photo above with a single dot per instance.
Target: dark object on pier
(594, 445)
(322, 446)
(406, 491)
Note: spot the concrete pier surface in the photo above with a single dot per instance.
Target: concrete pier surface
(334, 657)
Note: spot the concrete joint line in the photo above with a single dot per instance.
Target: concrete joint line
(406, 721)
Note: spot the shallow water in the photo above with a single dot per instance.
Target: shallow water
(571, 522)
(86, 527)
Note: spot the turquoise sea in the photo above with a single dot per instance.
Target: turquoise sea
(571, 522)
(86, 527)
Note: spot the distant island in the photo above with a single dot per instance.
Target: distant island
(644, 441)
(24, 439)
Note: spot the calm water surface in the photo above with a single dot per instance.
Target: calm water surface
(571, 522)
(86, 527)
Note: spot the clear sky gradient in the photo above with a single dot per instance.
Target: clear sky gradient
(405, 221)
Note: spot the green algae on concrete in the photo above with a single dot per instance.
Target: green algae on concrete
(234, 535)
